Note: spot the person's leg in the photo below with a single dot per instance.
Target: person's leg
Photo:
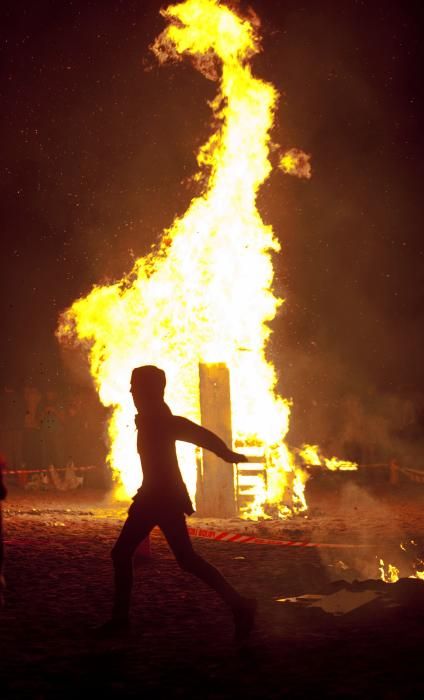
(136, 528)
(175, 530)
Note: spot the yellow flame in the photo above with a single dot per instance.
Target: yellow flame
(296, 162)
(335, 464)
(388, 572)
(417, 563)
(419, 569)
(311, 455)
(204, 295)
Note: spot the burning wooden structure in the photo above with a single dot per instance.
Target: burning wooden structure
(223, 490)
(215, 492)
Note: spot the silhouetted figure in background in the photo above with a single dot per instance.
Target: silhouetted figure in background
(3, 494)
(163, 500)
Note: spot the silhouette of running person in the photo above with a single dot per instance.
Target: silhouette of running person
(163, 500)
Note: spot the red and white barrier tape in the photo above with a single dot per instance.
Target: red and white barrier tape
(251, 539)
(238, 538)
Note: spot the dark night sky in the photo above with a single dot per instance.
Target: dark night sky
(95, 149)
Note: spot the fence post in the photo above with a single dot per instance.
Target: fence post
(394, 472)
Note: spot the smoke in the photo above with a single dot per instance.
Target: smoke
(347, 342)
(364, 518)
(76, 366)
(297, 163)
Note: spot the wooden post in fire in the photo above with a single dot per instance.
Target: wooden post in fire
(215, 495)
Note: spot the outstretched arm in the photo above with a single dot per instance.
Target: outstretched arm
(187, 431)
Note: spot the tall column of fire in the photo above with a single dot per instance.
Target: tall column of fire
(205, 294)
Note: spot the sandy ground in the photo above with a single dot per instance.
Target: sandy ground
(60, 583)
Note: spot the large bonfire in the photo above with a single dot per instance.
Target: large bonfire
(204, 295)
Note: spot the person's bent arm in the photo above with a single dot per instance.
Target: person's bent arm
(187, 431)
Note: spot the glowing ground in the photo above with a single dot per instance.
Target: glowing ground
(59, 586)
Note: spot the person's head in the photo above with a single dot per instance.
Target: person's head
(147, 386)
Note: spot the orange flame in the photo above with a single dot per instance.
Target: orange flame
(205, 294)
(311, 455)
(388, 572)
(297, 163)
